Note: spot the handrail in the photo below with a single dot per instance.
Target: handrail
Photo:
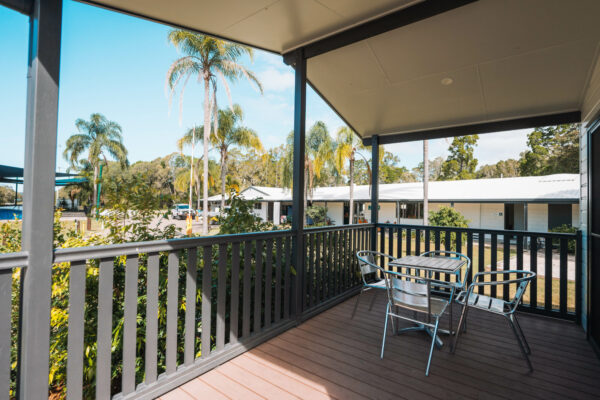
(124, 249)
(331, 228)
(13, 260)
(555, 235)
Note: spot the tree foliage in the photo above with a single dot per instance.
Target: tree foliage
(552, 150)
(461, 163)
(502, 169)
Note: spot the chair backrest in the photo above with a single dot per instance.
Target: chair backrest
(409, 291)
(366, 262)
(463, 272)
(522, 280)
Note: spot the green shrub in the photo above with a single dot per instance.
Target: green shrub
(318, 214)
(571, 244)
(448, 216)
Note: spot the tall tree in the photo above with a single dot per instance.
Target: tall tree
(207, 58)
(319, 152)
(435, 169)
(552, 150)
(230, 134)
(101, 139)
(502, 169)
(346, 145)
(461, 163)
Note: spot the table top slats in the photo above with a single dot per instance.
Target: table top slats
(440, 264)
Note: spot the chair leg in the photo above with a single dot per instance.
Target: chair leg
(373, 299)
(387, 309)
(437, 321)
(356, 304)
(516, 321)
(521, 346)
(461, 321)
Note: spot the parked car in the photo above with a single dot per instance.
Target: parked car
(181, 211)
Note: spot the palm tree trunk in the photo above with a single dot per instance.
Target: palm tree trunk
(206, 138)
(95, 188)
(425, 182)
(351, 215)
(223, 173)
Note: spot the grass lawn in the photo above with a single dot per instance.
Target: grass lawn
(476, 267)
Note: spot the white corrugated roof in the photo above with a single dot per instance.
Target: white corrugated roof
(560, 187)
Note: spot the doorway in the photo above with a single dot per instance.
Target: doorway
(514, 217)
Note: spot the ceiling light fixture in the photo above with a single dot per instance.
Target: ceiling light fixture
(447, 81)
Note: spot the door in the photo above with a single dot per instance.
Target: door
(509, 217)
(559, 214)
(594, 236)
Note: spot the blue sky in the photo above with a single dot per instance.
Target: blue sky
(116, 65)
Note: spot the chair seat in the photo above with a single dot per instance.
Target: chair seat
(377, 285)
(486, 303)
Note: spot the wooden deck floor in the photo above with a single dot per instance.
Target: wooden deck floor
(333, 356)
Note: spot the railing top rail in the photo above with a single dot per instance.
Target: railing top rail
(13, 260)
(124, 249)
(336, 228)
(555, 235)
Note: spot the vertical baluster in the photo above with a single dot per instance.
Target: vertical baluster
(494, 262)
(563, 276)
(382, 246)
(152, 317)
(268, 282)
(311, 269)
(481, 251)
(417, 241)
(247, 310)
(258, 278)
(330, 274)
(447, 240)
(470, 255)
(318, 272)
(77, 276)
(287, 278)
(408, 241)
(172, 306)
(438, 238)
(235, 293)
(347, 252)
(130, 324)
(278, 256)
(533, 268)
(221, 299)
(104, 335)
(206, 302)
(548, 274)
(427, 239)
(398, 244)
(191, 282)
(506, 265)
(459, 241)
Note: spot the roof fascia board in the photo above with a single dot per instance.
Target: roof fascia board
(481, 128)
(386, 23)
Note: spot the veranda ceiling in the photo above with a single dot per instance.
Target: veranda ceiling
(485, 61)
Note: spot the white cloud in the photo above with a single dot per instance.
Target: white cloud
(276, 80)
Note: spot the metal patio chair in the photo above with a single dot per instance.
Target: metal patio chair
(461, 276)
(370, 273)
(507, 309)
(413, 293)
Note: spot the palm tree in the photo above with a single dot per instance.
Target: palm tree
(228, 135)
(206, 58)
(100, 138)
(318, 153)
(347, 144)
(183, 181)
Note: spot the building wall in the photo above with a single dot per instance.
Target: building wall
(537, 217)
(492, 216)
(387, 213)
(471, 211)
(262, 213)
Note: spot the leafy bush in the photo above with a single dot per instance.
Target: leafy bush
(318, 215)
(448, 216)
(240, 218)
(571, 244)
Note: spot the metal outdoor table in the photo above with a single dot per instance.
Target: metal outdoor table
(430, 265)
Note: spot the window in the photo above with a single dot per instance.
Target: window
(258, 206)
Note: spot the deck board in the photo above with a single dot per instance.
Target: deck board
(334, 357)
